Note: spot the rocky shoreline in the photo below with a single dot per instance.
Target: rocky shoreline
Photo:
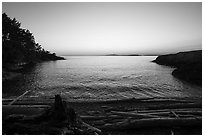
(188, 65)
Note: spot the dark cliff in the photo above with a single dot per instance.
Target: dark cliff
(188, 65)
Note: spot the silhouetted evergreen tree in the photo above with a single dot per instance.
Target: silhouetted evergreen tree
(19, 46)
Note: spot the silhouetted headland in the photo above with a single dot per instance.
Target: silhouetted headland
(188, 65)
(19, 49)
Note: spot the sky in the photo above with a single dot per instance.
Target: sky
(87, 28)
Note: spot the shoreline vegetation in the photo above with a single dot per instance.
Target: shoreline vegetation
(188, 65)
(19, 49)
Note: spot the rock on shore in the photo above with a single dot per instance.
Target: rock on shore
(188, 65)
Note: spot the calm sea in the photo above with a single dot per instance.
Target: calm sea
(101, 78)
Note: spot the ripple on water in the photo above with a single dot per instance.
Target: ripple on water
(102, 78)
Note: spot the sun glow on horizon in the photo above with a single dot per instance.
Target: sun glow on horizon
(106, 28)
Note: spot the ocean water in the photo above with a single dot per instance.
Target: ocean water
(101, 78)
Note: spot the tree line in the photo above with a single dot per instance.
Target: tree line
(19, 46)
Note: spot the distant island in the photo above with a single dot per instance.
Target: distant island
(122, 55)
(19, 49)
(188, 65)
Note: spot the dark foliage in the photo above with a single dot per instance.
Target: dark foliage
(19, 46)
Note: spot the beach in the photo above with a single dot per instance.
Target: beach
(153, 115)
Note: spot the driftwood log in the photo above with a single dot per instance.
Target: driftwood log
(137, 115)
(153, 122)
(57, 119)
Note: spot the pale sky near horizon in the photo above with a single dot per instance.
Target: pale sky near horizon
(111, 28)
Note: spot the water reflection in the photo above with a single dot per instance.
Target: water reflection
(101, 77)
